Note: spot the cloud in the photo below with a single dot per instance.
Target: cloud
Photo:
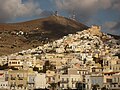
(46, 13)
(83, 4)
(86, 5)
(112, 27)
(85, 9)
(10, 9)
(117, 26)
(88, 11)
(116, 5)
(110, 24)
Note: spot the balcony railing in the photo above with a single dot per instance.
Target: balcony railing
(65, 81)
(20, 78)
(13, 78)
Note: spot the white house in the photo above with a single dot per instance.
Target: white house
(4, 85)
(92, 80)
(40, 81)
(15, 63)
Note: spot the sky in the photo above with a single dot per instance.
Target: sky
(105, 13)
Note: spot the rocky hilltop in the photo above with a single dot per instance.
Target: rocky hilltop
(15, 37)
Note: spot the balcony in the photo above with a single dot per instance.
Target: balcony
(20, 78)
(13, 78)
(65, 81)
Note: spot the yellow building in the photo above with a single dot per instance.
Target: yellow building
(17, 79)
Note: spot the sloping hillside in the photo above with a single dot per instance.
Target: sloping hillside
(15, 37)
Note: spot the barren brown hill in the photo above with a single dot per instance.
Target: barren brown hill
(15, 37)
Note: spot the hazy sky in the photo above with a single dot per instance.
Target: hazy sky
(101, 12)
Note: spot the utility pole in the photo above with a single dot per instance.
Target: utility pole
(73, 15)
(56, 13)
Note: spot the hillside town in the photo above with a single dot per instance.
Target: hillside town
(87, 60)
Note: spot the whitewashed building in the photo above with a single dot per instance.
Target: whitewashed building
(92, 80)
(40, 81)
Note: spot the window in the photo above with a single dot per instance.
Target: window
(88, 80)
(75, 79)
(78, 72)
(62, 85)
(67, 80)
(113, 68)
(62, 79)
(72, 85)
(93, 69)
(109, 80)
(72, 79)
(114, 79)
(67, 85)
(18, 75)
(87, 86)
(13, 62)
(33, 79)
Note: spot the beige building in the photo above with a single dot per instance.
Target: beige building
(3, 60)
(15, 63)
(116, 67)
(92, 80)
(50, 76)
(116, 81)
(111, 63)
(108, 79)
(70, 80)
(17, 79)
(4, 85)
(31, 79)
(95, 30)
(96, 70)
(3, 80)
(40, 81)
(40, 64)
